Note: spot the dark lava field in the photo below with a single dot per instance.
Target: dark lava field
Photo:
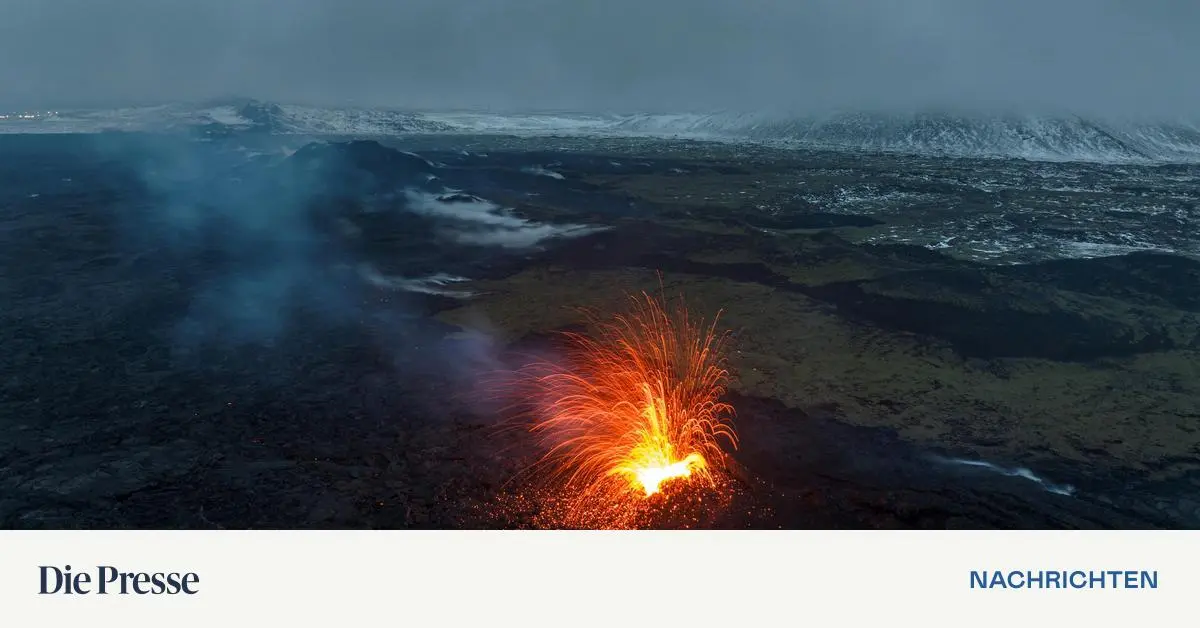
(268, 333)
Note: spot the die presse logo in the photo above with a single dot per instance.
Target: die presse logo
(106, 580)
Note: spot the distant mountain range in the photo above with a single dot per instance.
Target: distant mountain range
(1043, 138)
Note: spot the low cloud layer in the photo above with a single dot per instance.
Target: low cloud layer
(1090, 56)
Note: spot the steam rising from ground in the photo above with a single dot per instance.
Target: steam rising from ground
(434, 284)
(264, 246)
(239, 231)
(482, 222)
(1017, 472)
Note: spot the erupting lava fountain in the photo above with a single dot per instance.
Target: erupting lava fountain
(636, 406)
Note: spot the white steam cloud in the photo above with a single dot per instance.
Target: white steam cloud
(484, 223)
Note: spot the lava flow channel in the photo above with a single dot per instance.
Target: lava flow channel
(636, 406)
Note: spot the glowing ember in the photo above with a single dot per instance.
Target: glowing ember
(651, 477)
(636, 407)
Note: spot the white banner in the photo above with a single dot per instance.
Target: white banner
(562, 579)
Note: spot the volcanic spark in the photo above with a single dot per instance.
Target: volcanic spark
(636, 406)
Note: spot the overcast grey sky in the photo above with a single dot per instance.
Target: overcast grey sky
(1108, 56)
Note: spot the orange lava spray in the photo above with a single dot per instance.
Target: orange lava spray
(636, 406)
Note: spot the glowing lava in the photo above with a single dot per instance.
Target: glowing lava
(651, 477)
(636, 406)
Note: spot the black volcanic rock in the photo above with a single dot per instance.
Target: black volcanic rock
(358, 168)
(367, 155)
(1147, 278)
(811, 220)
(267, 117)
(985, 316)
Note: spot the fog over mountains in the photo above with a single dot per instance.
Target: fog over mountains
(1044, 138)
(1098, 80)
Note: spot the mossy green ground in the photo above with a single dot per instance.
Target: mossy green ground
(948, 353)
